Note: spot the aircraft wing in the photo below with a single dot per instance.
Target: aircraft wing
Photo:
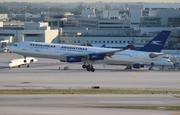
(109, 53)
(104, 53)
(155, 54)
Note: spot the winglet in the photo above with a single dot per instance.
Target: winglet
(103, 46)
(130, 46)
(157, 43)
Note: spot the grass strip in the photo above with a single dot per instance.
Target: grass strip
(172, 108)
(84, 91)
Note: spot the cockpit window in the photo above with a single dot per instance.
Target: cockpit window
(15, 45)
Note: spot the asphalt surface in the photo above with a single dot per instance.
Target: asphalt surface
(83, 104)
(46, 74)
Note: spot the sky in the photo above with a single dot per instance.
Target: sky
(65, 1)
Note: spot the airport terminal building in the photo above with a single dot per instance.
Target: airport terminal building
(39, 32)
(133, 25)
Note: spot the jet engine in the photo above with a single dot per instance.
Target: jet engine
(137, 65)
(73, 59)
(152, 55)
(96, 57)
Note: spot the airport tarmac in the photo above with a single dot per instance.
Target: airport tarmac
(46, 74)
(83, 104)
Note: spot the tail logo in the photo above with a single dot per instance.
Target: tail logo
(156, 42)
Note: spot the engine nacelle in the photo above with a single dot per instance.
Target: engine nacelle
(96, 57)
(152, 55)
(73, 59)
(137, 65)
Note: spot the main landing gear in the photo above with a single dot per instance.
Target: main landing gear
(25, 59)
(88, 67)
(151, 67)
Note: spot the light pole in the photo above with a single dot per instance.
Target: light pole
(25, 13)
(48, 14)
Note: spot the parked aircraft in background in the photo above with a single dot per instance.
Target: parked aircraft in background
(162, 61)
(5, 50)
(172, 52)
(19, 62)
(152, 50)
(154, 62)
(88, 55)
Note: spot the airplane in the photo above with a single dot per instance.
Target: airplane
(161, 61)
(154, 62)
(63, 52)
(20, 61)
(148, 52)
(89, 55)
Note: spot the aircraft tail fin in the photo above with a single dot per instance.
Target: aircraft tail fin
(157, 43)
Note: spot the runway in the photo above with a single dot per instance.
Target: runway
(83, 104)
(46, 74)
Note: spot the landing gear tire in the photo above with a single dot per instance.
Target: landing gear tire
(27, 65)
(19, 65)
(92, 69)
(88, 66)
(84, 66)
(88, 69)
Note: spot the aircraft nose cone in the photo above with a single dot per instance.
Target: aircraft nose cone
(10, 48)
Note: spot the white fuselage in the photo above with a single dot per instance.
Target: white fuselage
(60, 51)
(127, 57)
(159, 62)
(19, 62)
(55, 51)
